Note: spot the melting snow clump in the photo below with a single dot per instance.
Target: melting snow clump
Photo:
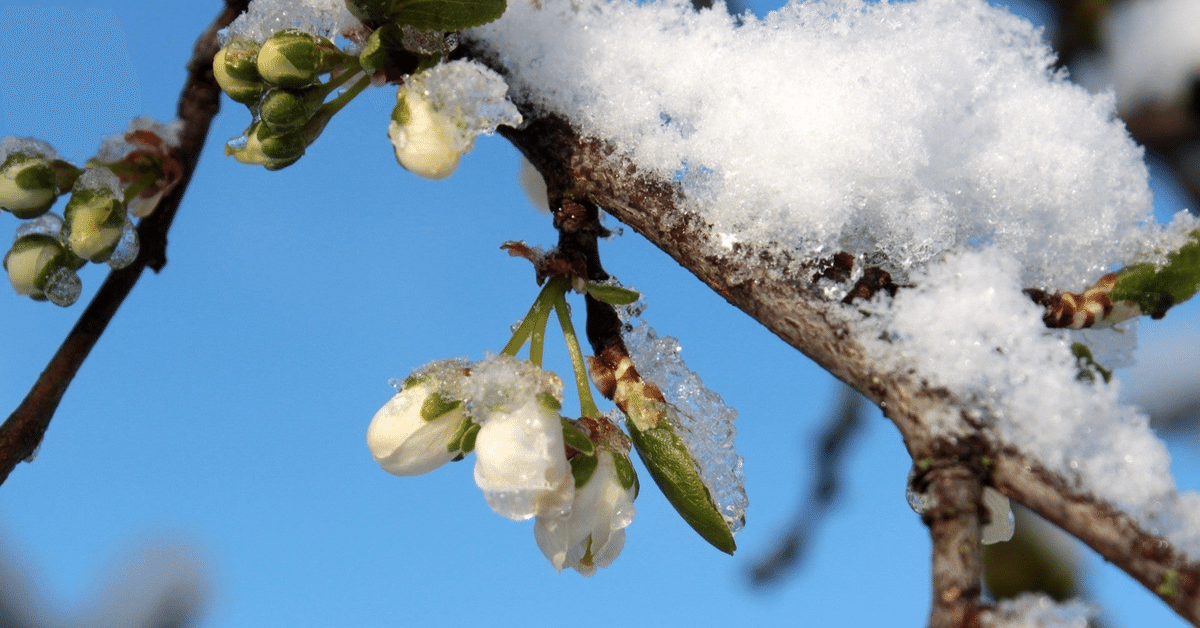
(1039, 611)
(704, 422)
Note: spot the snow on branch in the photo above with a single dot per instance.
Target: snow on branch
(929, 139)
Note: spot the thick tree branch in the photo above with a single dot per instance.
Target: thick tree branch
(1149, 558)
(199, 101)
(767, 285)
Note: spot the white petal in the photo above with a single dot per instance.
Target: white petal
(521, 463)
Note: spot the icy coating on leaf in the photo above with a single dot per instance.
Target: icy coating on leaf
(264, 18)
(896, 130)
(704, 422)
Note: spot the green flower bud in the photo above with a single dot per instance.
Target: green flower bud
(31, 179)
(40, 267)
(290, 59)
(93, 222)
(240, 59)
(244, 90)
(262, 147)
(284, 110)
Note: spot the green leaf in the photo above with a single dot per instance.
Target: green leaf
(383, 49)
(625, 473)
(1155, 290)
(445, 15)
(612, 295)
(672, 467)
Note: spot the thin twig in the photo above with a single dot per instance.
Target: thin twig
(199, 101)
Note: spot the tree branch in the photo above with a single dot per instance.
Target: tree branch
(766, 285)
(199, 101)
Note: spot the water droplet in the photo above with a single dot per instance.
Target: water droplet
(127, 247)
(63, 287)
(47, 224)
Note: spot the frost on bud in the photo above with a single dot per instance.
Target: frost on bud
(236, 69)
(593, 533)
(95, 216)
(441, 111)
(521, 462)
(31, 176)
(40, 267)
(290, 58)
(416, 431)
(423, 138)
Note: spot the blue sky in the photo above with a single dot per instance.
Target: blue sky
(222, 416)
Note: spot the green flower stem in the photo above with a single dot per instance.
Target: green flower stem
(534, 321)
(337, 81)
(587, 406)
(335, 105)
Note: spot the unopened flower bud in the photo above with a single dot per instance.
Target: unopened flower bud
(242, 86)
(31, 180)
(593, 534)
(93, 222)
(261, 146)
(40, 267)
(290, 58)
(425, 140)
(287, 109)
(240, 59)
(415, 432)
(521, 462)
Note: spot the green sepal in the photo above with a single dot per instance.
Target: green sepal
(612, 295)
(626, 475)
(1088, 367)
(575, 438)
(458, 442)
(436, 405)
(583, 467)
(39, 177)
(549, 402)
(468, 441)
(669, 463)
(1155, 290)
(290, 58)
(445, 15)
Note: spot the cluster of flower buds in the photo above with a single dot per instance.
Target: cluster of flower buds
(129, 175)
(278, 77)
(575, 477)
(278, 80)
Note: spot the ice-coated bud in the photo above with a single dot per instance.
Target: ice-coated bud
(284, 110)
(30, 182)
(424, 139)
(593, 534)
(415, 431)
(40, 267)
(521, 461)
(236, 69)
(93, 222)
(290, 58)
(261, 146)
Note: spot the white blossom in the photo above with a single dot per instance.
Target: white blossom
(404, 442)
(521, 462)
(593, 534)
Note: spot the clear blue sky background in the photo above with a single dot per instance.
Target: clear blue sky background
(223, 413)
